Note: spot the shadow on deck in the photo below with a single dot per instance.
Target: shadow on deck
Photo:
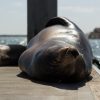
(15, 85)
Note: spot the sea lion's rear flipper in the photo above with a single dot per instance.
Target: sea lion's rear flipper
(96, 61)
(60, 21)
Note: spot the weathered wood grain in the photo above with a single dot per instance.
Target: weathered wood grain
(17, 86)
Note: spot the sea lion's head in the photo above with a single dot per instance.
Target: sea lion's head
(56, 61)
(61, 55)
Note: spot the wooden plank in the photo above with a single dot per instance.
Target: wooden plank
(95, 83)
(16, 86)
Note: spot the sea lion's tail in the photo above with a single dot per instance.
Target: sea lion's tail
(60, 21)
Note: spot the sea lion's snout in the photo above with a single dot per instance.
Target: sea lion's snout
(69, 52)
(73, 52)
(57, 55)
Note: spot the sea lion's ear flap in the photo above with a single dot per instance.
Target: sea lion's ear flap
(59, 21)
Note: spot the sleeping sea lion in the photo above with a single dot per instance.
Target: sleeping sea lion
(9, 54)
(59, 52)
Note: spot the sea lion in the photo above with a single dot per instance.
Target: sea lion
(59, 52)
(9, 54)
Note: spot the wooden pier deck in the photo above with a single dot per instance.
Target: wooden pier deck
(14, 86)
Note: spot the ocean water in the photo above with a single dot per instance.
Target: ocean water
(95, 43)
(13, 40)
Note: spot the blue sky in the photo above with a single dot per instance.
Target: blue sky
(13, 14)
(13, 17)
(85, 13)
